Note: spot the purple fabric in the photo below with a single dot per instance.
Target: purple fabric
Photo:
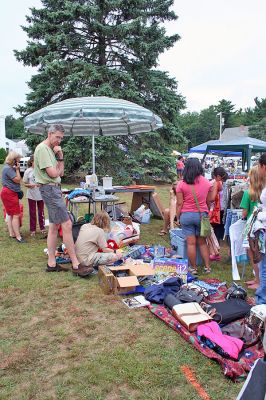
(32, 212)
(231, 345)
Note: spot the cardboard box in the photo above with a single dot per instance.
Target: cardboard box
(111, 282)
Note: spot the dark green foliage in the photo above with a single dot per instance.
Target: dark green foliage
(203, 126)
(14, 127)
(200, 127)
(227, 108)
(106, 48)
(258, 130)
(3, 155)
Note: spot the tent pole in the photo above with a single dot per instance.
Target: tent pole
(205, 154)
(248, 158)
(93, 154)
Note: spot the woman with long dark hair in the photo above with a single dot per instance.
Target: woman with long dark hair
(193, 189)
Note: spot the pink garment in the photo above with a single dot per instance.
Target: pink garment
(180, 164)
(231, 345)
(202, 187)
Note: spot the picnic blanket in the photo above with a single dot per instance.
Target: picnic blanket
(235, 370)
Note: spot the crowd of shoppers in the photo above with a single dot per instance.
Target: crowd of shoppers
(191, 198)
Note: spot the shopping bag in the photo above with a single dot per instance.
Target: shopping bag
(205, 227)
(190, 315)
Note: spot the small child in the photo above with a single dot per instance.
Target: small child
(92, 238)
(34, 199)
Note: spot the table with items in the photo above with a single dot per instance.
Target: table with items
(78, 196)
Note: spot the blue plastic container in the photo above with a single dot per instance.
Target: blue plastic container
(179, 244)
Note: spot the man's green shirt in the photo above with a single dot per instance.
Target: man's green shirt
(44, 157)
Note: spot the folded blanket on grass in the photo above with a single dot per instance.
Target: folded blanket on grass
(235, 370)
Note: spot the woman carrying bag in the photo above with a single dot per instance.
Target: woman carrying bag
(11, 193)
(194, 195)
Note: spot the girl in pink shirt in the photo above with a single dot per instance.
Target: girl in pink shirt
(180, 167)
(188, 213)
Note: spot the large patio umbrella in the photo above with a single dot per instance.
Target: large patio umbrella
(94, 116)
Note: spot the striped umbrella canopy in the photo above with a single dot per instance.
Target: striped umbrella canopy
(93, 116)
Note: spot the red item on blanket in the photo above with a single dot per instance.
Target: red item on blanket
(111, 244)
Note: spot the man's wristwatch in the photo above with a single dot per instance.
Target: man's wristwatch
(60, 159)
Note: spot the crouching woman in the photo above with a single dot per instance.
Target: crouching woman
(92, 238)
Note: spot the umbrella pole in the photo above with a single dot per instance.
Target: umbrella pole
(93, 155)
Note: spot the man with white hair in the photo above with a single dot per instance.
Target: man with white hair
(48, 170)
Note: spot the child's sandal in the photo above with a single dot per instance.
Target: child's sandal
(207, 270)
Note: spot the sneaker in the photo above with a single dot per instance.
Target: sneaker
(82, 270)
(57, 268)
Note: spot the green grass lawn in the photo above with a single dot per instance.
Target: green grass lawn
(62, 338)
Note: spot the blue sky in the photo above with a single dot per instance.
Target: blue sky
(221, 53)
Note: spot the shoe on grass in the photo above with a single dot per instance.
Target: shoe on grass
(56, 268)
(82, 270)
(21, 240)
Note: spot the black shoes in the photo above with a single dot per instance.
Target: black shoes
(21, 240)
(57, 268)
(82, 270)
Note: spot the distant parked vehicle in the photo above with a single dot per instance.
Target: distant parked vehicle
(23, 164)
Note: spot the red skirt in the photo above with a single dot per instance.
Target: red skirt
(10, 201)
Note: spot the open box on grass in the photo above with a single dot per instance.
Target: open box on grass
(122, 279)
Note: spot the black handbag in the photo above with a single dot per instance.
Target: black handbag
(20, 194)
(183, 296)
(228, 311)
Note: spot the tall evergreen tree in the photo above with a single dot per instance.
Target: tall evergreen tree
(106, 48)
(14, 127)
(227, 108)
(259, 129)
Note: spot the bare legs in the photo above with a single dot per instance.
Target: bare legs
(192, 251)
(51, 243)
(9, 226)
(14, 226)
(67, 239)
(204, 251)
(166, 222)
(256, 282)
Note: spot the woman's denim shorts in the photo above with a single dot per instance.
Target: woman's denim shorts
(190, 223)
